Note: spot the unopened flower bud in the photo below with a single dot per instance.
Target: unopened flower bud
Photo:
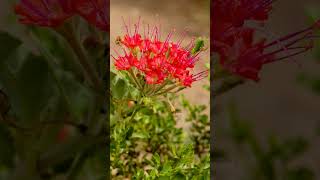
(131, 104)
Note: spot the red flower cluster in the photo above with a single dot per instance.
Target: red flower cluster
(53, 13)
(239, 50)
(157, 60)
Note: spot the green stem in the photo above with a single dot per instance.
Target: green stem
(161, 86)
(148, 88)
(135, 80)
(76, 166)
(90, 72)
(166, 90)
(52, 66)
(226, 86)
(152, 89)
(68, 33)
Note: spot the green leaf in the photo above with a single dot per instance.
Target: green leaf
(129, 133)
(33, 88)
(301, 173)
(167, 168)
(140, 135)
(57, 47)
(295, 146)
(79, 98)
(8, 45)
(179, 176)
(198, 46)
(186, 154)
(241, 130)
(156, 159)
(313, 13)
(164, 178)
(7, 152)
(119, 88)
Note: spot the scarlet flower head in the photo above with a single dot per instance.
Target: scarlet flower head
(158, 62)
(48, 13)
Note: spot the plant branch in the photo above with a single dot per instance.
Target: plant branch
(68, 33)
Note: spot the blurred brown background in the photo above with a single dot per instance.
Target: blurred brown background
(276, 105)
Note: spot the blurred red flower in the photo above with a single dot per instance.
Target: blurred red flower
(63, 133)
(241, 52)
(96, 12)
(53, 13)
(49, 13)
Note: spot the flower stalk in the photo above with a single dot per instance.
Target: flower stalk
(67, 31)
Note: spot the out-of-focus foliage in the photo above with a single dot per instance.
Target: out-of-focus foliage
(271, 158)
(311, 80)
(51, 125)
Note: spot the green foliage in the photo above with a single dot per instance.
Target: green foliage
(200, 126)
(8, 45)
(7, 153)
(146, 142)
(44, 89)
(311, 81)
(33, 88)
(199, 45)
(179, 166)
